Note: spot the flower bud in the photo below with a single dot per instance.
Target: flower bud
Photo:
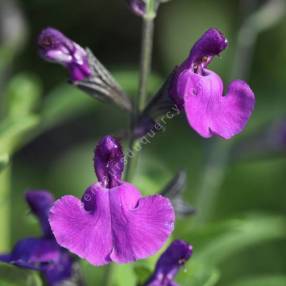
(56, 47)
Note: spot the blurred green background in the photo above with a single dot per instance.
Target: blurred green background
(49, 129)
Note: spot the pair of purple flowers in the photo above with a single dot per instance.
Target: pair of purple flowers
(194, 88)
(112, 222)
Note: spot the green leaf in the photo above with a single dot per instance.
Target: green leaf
(123, 275)
(23, 94)
(6, 56)
(11, 275)
(215, 243)
(240, 234)
(198, 273)
(66, 101)
(63, 103)
(142, 274)
(264, 280)
(14, 132)
(4, 160)
(151, 174)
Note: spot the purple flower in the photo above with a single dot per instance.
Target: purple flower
(42, 254)
(199, 91)
(56, 47)
(112, 221)
(170, 262)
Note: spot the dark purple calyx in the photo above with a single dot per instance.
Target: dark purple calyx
(211, 44)
(109, 162)
(55, 47)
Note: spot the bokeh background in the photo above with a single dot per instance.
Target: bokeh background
(237, 187)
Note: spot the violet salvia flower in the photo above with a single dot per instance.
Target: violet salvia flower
(56, 47)
(170, 262)
(112, 221)
(43, 253)
(199, 92)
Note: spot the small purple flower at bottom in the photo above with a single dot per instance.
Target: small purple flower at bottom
(170, 262)
(199, 92)
(112, 221)
(56, 47)
(42, 254)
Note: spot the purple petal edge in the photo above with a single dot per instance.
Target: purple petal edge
(208, 111)
(124, 227)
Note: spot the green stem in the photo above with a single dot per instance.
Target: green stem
(146, 58)
(5, 209)
(145, 68)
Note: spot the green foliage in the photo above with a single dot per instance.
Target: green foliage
(142, 274)
(63, 103)
(4, 160)
(216, 243)
(13, 132)
(241, 234)
(66, 102)
(128, 79)
(123, 275)
(263, 280)
(198, 273)
(23, 95)
(14, 276)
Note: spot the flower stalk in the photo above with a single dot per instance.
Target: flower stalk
(145, 68)
(146, 58)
